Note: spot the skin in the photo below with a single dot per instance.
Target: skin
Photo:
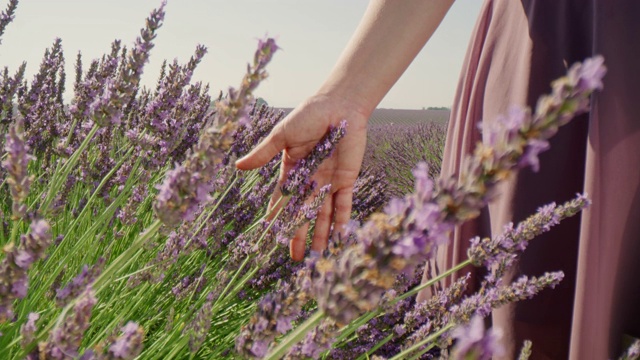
(356, 85)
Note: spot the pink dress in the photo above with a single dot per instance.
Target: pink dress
(518, 47)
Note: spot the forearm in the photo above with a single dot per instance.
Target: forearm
(388, 38)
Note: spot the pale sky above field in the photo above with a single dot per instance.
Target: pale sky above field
(311, 33)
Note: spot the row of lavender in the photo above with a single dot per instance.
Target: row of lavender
(127, 232)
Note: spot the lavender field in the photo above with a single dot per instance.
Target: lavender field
(128, 233)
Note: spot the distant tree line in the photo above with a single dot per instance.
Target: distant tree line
(437, 108)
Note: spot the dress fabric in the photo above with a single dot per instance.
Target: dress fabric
(517, 48)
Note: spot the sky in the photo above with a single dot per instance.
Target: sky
(311, 34)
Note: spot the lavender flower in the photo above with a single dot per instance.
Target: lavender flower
(28, 329)
(521, 289)
(16, 165)
(7, 15)
(315, 343)
(65, 339)
(108, 108)
(9, 89)
(472, 343)
(79, 283)
(274, 315)
(370, 193)
(13, 268)
(139, 54)
(298, 178)
(128, 345)
(306, 213)
(200, 326)
(633, 352)
(190, 284)
(165, 114)
(390, 243)
(180, 195)
(513, 240)
(40, 106)
(263, 120)
(434, 309)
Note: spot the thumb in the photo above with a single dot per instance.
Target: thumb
(264, 151)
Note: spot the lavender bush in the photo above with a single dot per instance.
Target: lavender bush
(393, 150)
(127, 232)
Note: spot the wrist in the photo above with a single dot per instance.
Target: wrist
(348, 99)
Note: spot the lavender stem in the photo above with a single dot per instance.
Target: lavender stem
(432, 281)
(427, 340)
(135, 246)
(246, 260)
(366, 355)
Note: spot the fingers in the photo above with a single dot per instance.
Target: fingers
(322, 226)
(342, 202)
(298, 243)
(265, 151)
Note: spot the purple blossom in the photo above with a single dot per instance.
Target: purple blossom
(79, 283)
(41, 106)
(530, 156)
(513, 240)
(306, 213)
(13, 268)
(472, 342)
(139, 55)
(482, 303)
(589, 74)
(28, 329)
(431, 309)
(180, 195)
(370, 194)
(263, 120)
(7, 15)
(299, 177)
(65, 339)
(16, 165)
(275, 312)
(128, 345)
(316, 342)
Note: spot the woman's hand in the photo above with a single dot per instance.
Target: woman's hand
(296, 135)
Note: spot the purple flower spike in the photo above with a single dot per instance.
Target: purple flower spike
(274, 315)
(16, 165)
(28, 329)
(299, 177)
(513, 241)
(13, 268)
(180, 195)
(7, 15)
(65, 339)
(79, 283)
